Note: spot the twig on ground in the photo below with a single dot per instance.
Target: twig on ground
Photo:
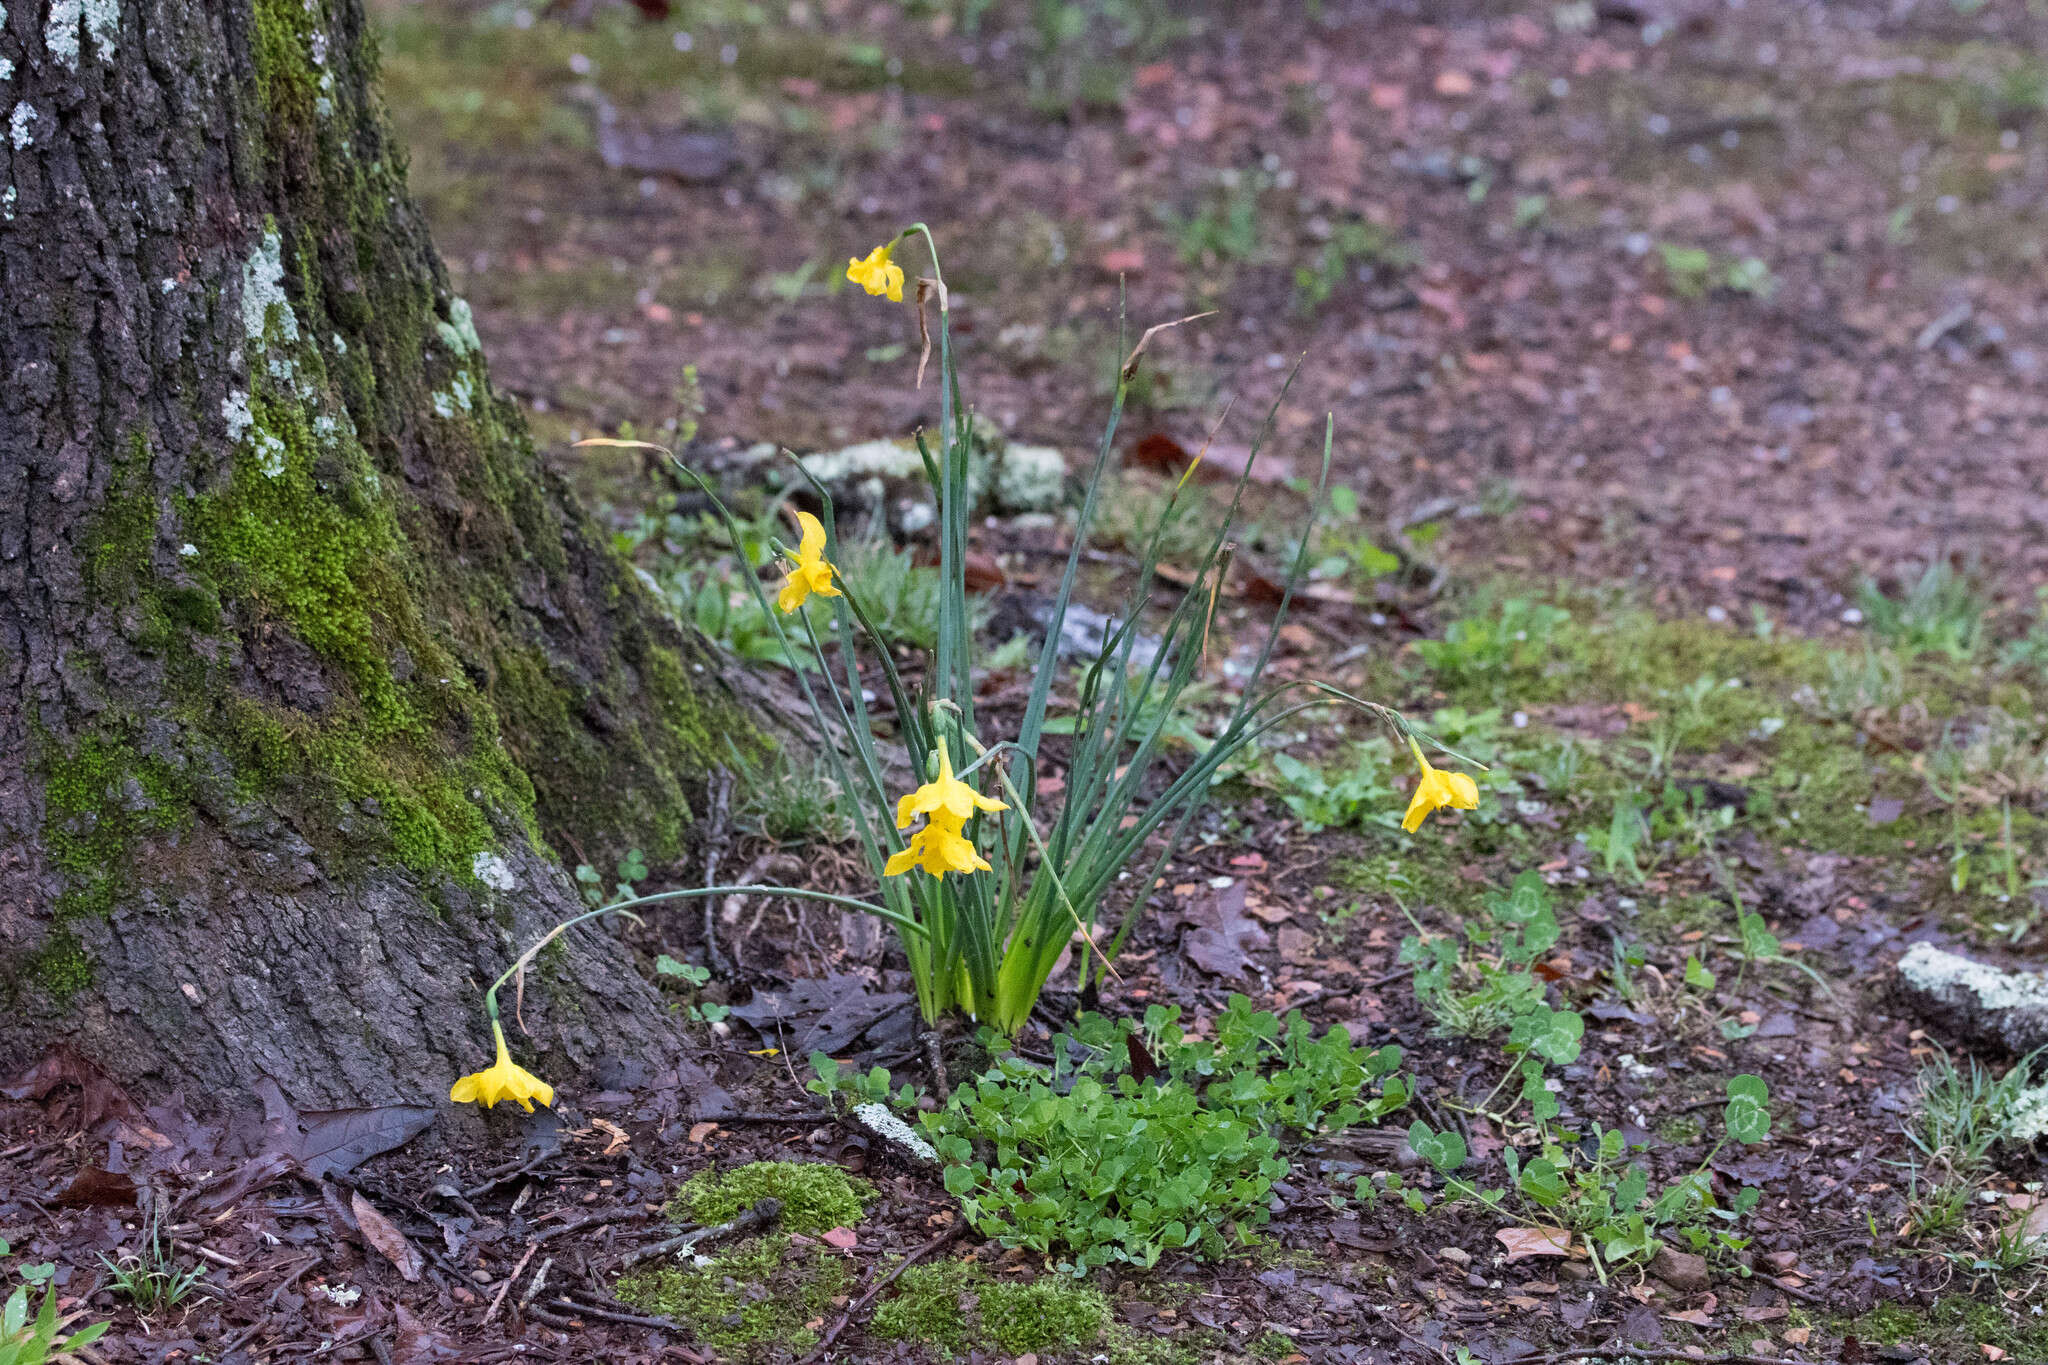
(1579, 1353)
(764, 1116)
(715, 839)
(615, 1315)
(935, 1061)
(506, 1287)
(853, 1310)
(764, 1214)
(540, 1279)
(595, 1220)
(503, 1175)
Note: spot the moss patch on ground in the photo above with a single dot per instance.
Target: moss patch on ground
(815, 1197)
(1954, 1328)
(956, 1304)
(762, 1298)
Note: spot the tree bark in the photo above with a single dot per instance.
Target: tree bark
(305, 657)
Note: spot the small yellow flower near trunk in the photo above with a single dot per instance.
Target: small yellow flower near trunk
(877, 273)
(1436, 790)
(812, 572)
(504, 1079)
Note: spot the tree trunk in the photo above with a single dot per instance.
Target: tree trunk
(305, 657)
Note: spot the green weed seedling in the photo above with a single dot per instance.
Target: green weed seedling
(1475, 988)
(631, 869)
(25, 1342)
(1596, 1190)
(1358, 793)
(1139, 1141)
(149, 1278)
(1353, 245)
(1516, 638)
(695, 978)
(1941, 613)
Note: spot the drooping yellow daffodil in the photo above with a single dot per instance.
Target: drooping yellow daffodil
(945, 798)
(1436, 790)
(503, 1080)
(877, 273)
(938, 848)
(812, 572)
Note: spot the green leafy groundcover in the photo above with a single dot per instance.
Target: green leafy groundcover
(1138, 1140)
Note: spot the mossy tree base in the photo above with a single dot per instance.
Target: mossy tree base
(306, 659)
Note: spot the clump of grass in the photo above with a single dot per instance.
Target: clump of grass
(149, 1277)
(1941, 613)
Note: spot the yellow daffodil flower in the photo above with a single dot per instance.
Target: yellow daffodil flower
(877, 274)
(946, 798)
(1436, 790)
(938, 848)
(812, 572)
(503, 1080)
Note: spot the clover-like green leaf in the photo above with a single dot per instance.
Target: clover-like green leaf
(1445, 1150)
(1748, 1113)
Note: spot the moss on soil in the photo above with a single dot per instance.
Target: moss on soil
(764, 1298)
(816, 1197)
(956, 1304)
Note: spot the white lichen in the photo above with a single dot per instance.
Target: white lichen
(881, 1120)
(1933, 972)
(458, 334)
(493, 872)
(6, 66)
(444, 406)
(71, 18)
(270, 455)
(867, 460)
(263, 289)
(234, 410)
(188, 551)
(1031, 479)
(19, 124)
(7, 198)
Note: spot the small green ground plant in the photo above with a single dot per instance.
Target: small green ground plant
(36, 1342)
(1139, 1141)
(1942, 612)
(1592, 1187)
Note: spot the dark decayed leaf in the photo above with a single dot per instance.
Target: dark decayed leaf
(334, 1141)
(99, 1098)
(96, 1187)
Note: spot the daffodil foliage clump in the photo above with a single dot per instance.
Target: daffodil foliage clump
(987, 877)
(1140, 1141)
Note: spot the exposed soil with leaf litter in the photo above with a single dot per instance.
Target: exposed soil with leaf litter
(1684, 362)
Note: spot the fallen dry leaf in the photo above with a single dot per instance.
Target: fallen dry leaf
(845, 1239)
(1797, 1336)
(1696, 1316)
(700, 1131)
(620, 1138)
(1523, 1243)
(381, 1233)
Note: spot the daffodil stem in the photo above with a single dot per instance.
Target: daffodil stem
(625, 907)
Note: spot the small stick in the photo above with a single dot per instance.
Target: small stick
(540, 1278)
(934, 1058)
(502, 1176)
(714, 848)
(832, 1334)
(614, 1315)
(506, 1287)
(207, 1252)
(595, 1220)
(764, 1214)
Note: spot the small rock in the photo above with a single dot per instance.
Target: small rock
(1781, 1261)
(1680, 1269)
(1456, 1255)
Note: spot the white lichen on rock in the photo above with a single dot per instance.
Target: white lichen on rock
(867, 460)
(881, 1120)
(493, 872)
(2027, 1120)
(71, 18)
(1030, 479)
(20, 124)
(1941, 974)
